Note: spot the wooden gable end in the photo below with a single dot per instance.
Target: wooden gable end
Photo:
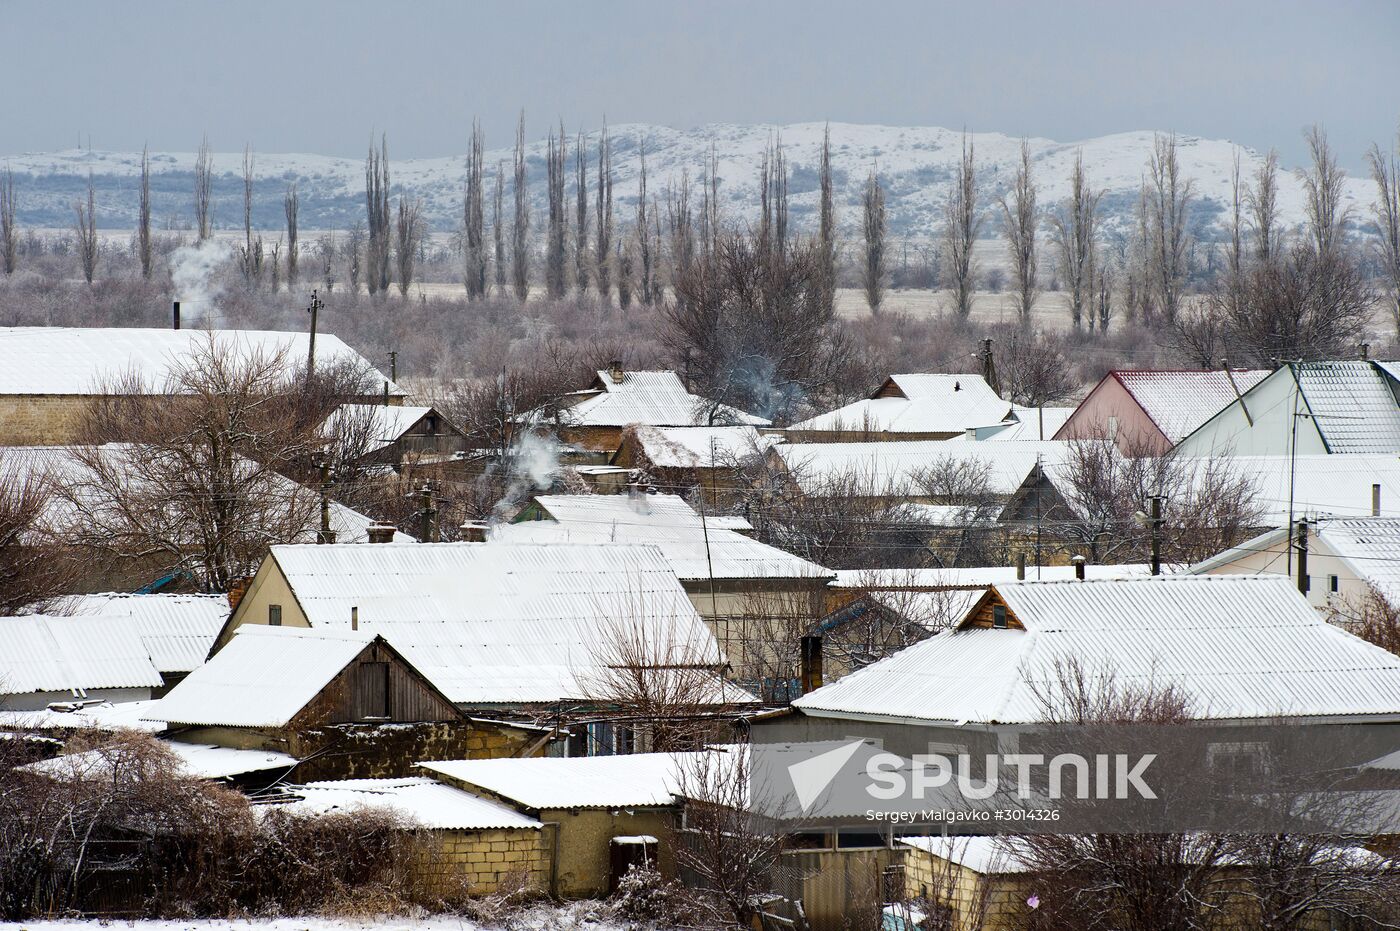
(989, 611)
(889, 390)
(377, 686)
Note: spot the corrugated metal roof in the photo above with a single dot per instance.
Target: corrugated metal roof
(72, 654)
(201, 761)
(917, 415)
(422, 801)
(943, 385)
(1370, 546)
(99, 717)
(642, 780)
(261, 678)
(887, 468)
(1241, 647)
(379, 424)
(656, 398)
(77, 360)
(984, 855)
(976, 576)
(670, 524)
(1179, 402)
(178, 630)
(701, 447)
(499, 623)
(1352, 405)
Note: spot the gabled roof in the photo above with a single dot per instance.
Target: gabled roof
(177, 629)
(263, 677)
(200, 761)
(937, 385)
(692, 547)
(76, 360)
(1180, 401)
(887, 468)
(379, 424)
(497, 623)
(39, 653)
(1353, 405)
(1241, 647)
(975, 576)
(424, 802)
(700, 447)
(656, 398)
(947, 411)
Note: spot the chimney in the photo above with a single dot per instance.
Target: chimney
(1365, 351)
(175, 311)
(381, 533)
(236, 590)
(474, 531)
(355, 618)
(1020, 567)
(811, 663)
(1375, 500)
(1079, 562)
(615, 372)
(970, 433)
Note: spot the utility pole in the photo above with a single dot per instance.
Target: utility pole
(325, 534)
(393, 365)
(1155, 520)
(1304, 583)
(989, 367)
(314, 309)
(429, 513)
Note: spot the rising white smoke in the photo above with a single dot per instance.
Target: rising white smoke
(532, 466)
(194, 274)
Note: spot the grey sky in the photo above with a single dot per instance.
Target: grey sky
(319, 75)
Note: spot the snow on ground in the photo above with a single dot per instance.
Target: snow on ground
(577, 915)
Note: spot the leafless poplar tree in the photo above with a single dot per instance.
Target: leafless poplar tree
(1074, 229)
(1326, 214)
(873, 271)
(378, 219)
(709, 206)
(291, 203)
(409, 238)
(9, 235)
(680, 227)
(474, 218)
(498, 230)
(356, 243)
(603, 242)
(252, 254)
(1021, 222)
(644, 253)
(520, 231)
(1262, 201)
(203, 191)
(556, 245)
(826, 222)
(961, 223)
(1386, 173)
(143, 217)
(581, 257)
(626, 249)
(328, 251)
(1169, 209)
(86, 229)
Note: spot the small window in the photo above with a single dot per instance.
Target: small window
(274, 615)
(999, 616)
(1332, 584)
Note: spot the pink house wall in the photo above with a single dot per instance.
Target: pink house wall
(1111, 409)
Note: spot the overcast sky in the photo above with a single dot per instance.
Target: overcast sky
(319, 75)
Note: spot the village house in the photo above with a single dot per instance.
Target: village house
(73, 660)
(1307, 408)
(679, 460)
(391, 435)
(908, 408)
(965, 883)
(341, 703)
(1149, 412)
(176, 629)
(594, 418)
(50, 375)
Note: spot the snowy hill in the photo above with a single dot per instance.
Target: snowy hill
(915, 164)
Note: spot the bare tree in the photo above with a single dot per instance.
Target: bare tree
(143, 217)
(873, 270)
(626, 250)
(826, 222)
(643, 228)
(961, 223)
(1386, 173)
(556, 245)
(603, 256)
(85, 227)
(378, 222)
(1021, 223)
(356, 245)
(474, 217)
(680, 228)
(709, 205)
(203, 191)
(9, 234)
(1262, 201)
(252, 251)
(409, 239)
(1324, 185)
(329, 251)
(520, 230)
(33, 571)
(1169, 210)
(1074, 229)
(581, 256)
(1035, 371)
(291, 204)
(498, 230)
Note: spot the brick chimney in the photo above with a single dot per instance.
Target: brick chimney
(615, 372)
(381, 533)
(810, 668)
(236, 590)
(474, 531)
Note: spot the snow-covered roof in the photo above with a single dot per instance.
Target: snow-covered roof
(939, 385)
(63, 467)
(262, 677)
(1029, 423)
(692, 547)
(889, 468)
(177, 629)
(1353, 405)
(422, 801)
(497, 623)
(73, 654)
(379, 424)
(918, 415)
(201, 761)
(1239, 647)
(975, 576)
(99, 716)
(78, 360)
(640, 780)
(700, 447)
(656, 398)
(983, 855)
(1180, 401)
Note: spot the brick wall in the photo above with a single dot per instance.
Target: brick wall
(41, 419)
(484, 862)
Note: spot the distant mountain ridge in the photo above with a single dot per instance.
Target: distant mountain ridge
(915, 165)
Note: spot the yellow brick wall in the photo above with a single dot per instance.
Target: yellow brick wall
(484, 862)
(41, 419)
